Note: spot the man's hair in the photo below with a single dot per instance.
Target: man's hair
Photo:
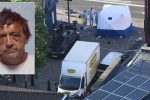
(8, 17)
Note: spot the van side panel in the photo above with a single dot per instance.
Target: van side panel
(92, 64)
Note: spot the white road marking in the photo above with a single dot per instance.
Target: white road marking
(127, 3)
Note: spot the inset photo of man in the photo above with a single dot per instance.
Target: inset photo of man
(17, 36)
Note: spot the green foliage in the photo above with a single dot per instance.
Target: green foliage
(42, 38)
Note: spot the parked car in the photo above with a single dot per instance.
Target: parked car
(109, 59)
(62, 44)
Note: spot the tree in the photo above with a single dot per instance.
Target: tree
(42, 38)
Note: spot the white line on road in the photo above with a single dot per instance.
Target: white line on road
(112, 2)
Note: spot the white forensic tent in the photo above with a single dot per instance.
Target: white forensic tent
(114, 20)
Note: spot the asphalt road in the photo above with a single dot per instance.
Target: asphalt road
(136, 7)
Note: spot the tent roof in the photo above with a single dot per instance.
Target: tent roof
(114, 17)
(116, 9)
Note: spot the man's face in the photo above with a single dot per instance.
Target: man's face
(12, 41)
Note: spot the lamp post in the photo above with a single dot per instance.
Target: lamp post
(68, 10)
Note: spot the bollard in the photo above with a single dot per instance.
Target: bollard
(48, 85)
(56, 85)
(26, 80)
(25, 84)
(32, 80)
(14, 78)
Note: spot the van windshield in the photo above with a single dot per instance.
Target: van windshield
(69, 83)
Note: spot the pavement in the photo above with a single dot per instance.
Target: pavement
(109, 44)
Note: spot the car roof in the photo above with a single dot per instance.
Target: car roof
(110, 57)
